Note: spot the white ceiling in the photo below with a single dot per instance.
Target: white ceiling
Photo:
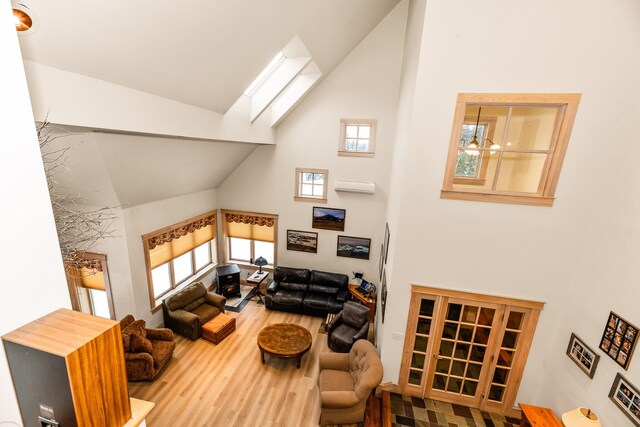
(203, 53)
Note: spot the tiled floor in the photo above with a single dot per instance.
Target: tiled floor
(412, 411)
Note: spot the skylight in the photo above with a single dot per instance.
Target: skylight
(264, 75)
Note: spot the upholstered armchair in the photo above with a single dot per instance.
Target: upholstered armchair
(347, 327)
(146, 351)
(345, 382)
(186, 311)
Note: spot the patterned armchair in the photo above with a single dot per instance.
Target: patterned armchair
(146, 351)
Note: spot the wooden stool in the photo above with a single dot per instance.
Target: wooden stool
(535, 416)
(218, 328)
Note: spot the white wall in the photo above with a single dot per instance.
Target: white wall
(143, 219)
(29, 235)
(364, 85)
(580, 255)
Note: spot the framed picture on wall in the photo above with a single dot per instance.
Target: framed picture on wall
(619, 339)
(383, 294)
(328, 218)
(386, 241)
(626, 397)
(381, 264)
(302, 241)
(582, 355)
(354, 247)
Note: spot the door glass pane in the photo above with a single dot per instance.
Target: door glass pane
(469, 314)
(486, 316)
(443, 366)
(462, 351)
(457, 368)
(417, 360)
(426, 307)
(454, 385)
(415, 377)
(505, 358)
(482, 335)
(500, 376)
(495, 393)
(182, 267)
(510, 339)
(161, 279)
(520, 172)
(203, 255)
(469, 388)
(477, 353)
(265, 250)
(450, 330)
(465, 333)
(454, 312)
(473, 371)
(439, 382)
(446, 348)
(100, 303)
(424, 325)
(515, 320)
(420, 344)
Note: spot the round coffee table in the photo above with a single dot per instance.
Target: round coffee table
(284, 340)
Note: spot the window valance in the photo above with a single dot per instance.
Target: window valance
(262, 221)
(209, 223)
(255, 227)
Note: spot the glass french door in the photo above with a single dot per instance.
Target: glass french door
(462, 347)
(467, 351)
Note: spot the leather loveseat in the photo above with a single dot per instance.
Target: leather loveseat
(299, 290)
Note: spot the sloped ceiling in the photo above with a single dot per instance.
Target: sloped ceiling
(129, 170)
(203, 53)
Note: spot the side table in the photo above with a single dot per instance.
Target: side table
(536, 416)
(257, 278)
(368, 300)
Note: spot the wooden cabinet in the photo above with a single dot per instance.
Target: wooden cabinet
(466, 348)
(69, 367)
(228, 278)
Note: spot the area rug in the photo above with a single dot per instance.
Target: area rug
(236, 304)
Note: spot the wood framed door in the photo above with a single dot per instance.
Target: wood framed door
(468, 349)
(464, 338)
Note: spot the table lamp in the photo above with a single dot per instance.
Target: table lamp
(581, 417)
(260, 261)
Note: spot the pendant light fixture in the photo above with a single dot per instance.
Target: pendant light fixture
(475, 145)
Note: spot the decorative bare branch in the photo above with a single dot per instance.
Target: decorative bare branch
(79, 227)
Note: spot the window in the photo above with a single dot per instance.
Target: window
(508, 148)
(357, 138)
(249, 235)
(311, 185)
(179, 254)
(88, 280)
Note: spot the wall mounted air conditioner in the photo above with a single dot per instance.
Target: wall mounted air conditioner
(355, 186)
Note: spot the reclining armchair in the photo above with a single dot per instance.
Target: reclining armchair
(146, 351)
(345, 382)
(347, 327)
(186, 311)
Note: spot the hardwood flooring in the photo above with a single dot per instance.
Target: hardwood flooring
(227, 384)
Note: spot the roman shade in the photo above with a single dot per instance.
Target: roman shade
(92, 278)
(255, 227)
(175, 247)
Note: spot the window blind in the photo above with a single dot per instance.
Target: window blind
(253, 227)
(179, 246)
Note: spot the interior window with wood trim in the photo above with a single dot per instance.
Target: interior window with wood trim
(508, 148)
(311, 185)
(249, 235)
(89, 286)
(357, 137)
(179, 254)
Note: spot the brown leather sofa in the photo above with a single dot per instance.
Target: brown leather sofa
(186, 311)
(146, 351)
(299, 290)
(347, 327)
(345, 382)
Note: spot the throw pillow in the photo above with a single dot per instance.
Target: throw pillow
(140, 344)
(136, 327)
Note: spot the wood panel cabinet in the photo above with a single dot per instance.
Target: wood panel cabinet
(467, 348)
(69, 367)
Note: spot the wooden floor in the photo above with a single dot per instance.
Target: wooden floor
(227, 384)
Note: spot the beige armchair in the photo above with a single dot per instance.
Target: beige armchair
(345, 382)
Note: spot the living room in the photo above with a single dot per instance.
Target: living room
(576, 256)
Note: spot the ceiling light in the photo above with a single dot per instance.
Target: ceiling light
(475, 146)
(23, 18)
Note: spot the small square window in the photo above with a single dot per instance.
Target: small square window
(311, 184)
(357, 137)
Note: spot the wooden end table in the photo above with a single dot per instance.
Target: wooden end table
(536, 416)
(257, 278)
(284, 340)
